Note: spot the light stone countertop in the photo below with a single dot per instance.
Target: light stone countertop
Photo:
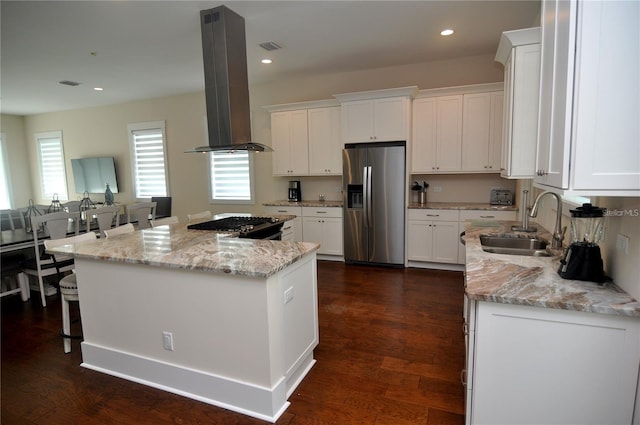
(462, 206)
(534, 281)
(174, 246)
(315, 204)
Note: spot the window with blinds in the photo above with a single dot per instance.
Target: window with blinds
(148, 159)
(231, 179)
(53, 178)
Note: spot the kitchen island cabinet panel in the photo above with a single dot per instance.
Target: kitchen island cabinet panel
(534, 365)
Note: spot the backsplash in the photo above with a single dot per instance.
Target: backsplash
(463, 187)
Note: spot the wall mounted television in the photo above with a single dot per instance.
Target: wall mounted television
(92, 174)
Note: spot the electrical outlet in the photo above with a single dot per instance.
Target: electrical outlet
(167, 341)
(288, 295)
(437, 189)
(339, 189)
(622, 243)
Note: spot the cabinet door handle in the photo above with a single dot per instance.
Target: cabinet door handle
(487, 216)
(433, 215)
(282, 211)
(463, 377)
(321, 212)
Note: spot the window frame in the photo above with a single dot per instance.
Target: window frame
(56, 134)
(145, 126)
(219, 201)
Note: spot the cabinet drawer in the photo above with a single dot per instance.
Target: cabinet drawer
(321, 212)
(277, 210)
(487, 215)
(433, 215)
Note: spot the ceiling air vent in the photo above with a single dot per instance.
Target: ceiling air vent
(69, 83)
(270, 45)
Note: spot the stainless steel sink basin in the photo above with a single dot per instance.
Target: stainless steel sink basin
(513, 244)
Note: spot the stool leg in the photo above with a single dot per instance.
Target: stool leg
(66, 324)
(23, 280)
(42, 296)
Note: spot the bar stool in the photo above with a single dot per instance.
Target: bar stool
(68, 285)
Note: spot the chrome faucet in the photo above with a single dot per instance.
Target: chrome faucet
(525, 215)
(558, 231)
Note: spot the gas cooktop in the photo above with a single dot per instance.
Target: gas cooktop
(247, 227)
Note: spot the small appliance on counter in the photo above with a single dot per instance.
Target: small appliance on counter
(295, 194)
(419, 192)
(582, 260)
(501, 197)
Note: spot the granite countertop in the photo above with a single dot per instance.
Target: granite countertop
(462, 206)
(175, 246)
(316, 204)
(534, 281)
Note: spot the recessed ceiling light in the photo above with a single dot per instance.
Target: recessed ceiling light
(446, 32)
(266, 61)
(98, 88)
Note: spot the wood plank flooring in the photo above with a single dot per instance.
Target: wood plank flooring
(391, 351)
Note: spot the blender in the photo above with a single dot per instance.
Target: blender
(583, 260)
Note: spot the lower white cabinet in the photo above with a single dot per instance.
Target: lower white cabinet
(432, 235)
(292, 229)
(547, 366)
(324, 226)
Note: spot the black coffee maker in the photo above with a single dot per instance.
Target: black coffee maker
(583, 260)
(295, 194)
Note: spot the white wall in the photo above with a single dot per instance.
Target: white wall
(103, 130)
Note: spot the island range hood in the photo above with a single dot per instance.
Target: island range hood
(226, 89)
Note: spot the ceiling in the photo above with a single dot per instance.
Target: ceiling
(145, 49)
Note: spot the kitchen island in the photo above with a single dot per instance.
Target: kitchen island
(542, 349)
(227, 321)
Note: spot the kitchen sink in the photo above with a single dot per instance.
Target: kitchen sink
(514, 244)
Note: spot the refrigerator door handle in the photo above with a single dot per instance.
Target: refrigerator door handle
(369, 201)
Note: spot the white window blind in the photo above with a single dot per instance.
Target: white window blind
(149, 160)
(5, 178)
(53, 178)
(231, 180)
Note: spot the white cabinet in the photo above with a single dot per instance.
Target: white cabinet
(324, 226)
(480, 215)
(292, 229)
(432, 235)
(482, 132)
(325, 141)
(306, 138)
(550, 366)
(289, 138)
(437, 134)
(588, 116)
(375, 120)
(376, 116)
(519, 52)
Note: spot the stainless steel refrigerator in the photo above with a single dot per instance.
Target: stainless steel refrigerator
(373, 178)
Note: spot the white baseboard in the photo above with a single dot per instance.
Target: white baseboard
(242, 397)
(436, 266)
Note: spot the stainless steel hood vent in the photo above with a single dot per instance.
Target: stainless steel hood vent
(226, 89)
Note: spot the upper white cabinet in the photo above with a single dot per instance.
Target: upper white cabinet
(306, 140)
(290, 143)
(482, 131)
(589, 129)
(437, 134)
(457, 130)
(325, 141)
(519, 52)
(376, 116)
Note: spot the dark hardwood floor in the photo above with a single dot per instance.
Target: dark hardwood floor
(391, 351)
